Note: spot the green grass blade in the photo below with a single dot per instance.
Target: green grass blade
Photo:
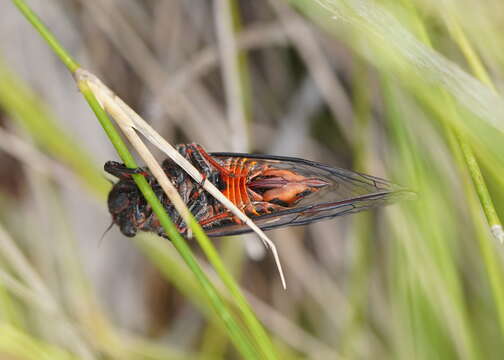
(241, 340)
(234, 330)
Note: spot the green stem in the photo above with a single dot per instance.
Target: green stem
(465, 46)
(491, 261)
(236, 333)
(479, 182)
(65, 57)
(249, 317)
(464, 156)
(472, 164)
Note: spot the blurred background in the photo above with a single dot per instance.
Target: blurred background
(406, 90)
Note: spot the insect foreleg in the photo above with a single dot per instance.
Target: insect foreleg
(192, 153)
(122, 171)
(202, 160)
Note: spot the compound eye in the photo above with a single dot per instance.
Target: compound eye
(111, 167)
(117, 202)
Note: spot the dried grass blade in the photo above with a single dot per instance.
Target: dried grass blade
(128, 120)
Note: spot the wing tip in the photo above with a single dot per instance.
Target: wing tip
(400, 193)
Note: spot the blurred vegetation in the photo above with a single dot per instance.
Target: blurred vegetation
(407, 90)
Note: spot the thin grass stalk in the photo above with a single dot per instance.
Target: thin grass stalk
(226, 15)
(251, 38)
(32, 298)
(371, 19)
(136, 122)
(493, 268)
(466, 160)
(77, 294)
(276, 322)
(234, 330)
(147, 131)
(38, 291)
(457, 34)
(491, 262)
(111, 103)
(479, 182)
(437, 296)
(36, 22)
(232, 252)
(485, 200)
(305, 40)
(356, 14)
(239, 337)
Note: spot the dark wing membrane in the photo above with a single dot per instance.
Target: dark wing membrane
(348, 192)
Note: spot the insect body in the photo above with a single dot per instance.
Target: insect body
(274, 191)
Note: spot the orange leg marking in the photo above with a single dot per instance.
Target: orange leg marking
(227, 180)
(213, 219)
(238, 181)
(231, 180)
(214, 162)
(243, 183)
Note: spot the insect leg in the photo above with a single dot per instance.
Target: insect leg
(193, 153)
(198, 207)
(173, 171)
(190, 152)
(214, 219)
(262, 207)
(122, 171)
(198, 154)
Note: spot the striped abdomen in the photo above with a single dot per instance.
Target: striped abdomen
(258, 188)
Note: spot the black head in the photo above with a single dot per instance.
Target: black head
(123, 201)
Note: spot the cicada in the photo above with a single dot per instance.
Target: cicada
(274, 191)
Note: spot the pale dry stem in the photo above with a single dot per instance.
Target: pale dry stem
(128, 120)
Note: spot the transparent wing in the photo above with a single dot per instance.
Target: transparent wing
(348, 192)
